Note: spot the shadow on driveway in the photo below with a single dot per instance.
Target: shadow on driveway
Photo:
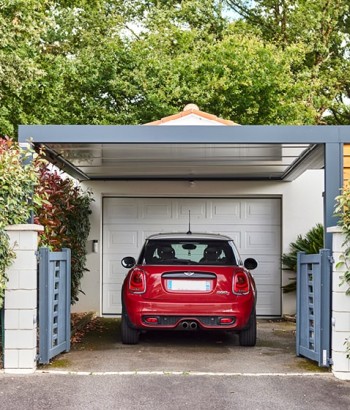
(101, 350)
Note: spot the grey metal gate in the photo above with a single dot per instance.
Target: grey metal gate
(54, 303)
(313, 331)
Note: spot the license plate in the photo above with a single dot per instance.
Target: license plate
(189, 285)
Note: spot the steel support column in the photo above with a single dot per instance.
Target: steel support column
(333, 182)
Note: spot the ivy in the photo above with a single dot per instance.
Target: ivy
(19, 176)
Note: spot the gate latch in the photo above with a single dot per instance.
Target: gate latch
(331, 259)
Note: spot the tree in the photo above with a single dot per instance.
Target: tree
(320, 27)
(238, 77)
(130, 62)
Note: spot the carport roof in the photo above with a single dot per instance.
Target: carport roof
(108, 152)
(98, 152)
(191, 144)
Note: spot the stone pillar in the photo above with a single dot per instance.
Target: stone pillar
(340, 311)
(20, 318)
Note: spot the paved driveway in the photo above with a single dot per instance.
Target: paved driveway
(178, 371)
(184, 352)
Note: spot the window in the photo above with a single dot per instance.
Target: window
(197, 252)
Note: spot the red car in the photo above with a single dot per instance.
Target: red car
(189, 282)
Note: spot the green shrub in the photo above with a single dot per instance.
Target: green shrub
(342, 211)
(65, 218)
(19, 175)
(311, 243)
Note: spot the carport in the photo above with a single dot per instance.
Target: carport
(191, 154)
(99, 156)
(194, 153)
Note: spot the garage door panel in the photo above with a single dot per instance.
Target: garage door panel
(111, 298)
(251, 223)
(259, 211)
(261, 240)
(114, 273)
(199, 210)
(264, 274)
(121, 239)
(119, 210)
(155, 210)
(223, 211)
(268, 298)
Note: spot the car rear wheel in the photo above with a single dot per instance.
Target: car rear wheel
(247, 337)
(129, 335)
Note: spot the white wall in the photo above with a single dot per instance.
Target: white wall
(340, 310)
(302, 208)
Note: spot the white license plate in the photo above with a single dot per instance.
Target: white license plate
(194, 285)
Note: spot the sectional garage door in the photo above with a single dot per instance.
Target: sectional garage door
(253, 223)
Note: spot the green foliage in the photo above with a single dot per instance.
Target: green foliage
(134, 61)
(321, 28)
(65, 217)
(6, 258)
(311, 243)
(342, 210)
(18, 179)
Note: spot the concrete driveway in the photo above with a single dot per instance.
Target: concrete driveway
(186, 352)
(169, 371)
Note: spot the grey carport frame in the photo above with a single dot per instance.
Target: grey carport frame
(331, 138)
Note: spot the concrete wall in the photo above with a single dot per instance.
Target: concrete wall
(340, 311)
(302, 208)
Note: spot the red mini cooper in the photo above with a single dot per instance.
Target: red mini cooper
(189, 281)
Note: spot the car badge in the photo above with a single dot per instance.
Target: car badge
(188, 273)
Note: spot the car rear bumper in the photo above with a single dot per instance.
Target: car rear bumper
(150, 315)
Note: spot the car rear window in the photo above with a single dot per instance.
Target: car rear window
(198, 252)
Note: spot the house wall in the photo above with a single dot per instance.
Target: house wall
(340, 309)
(302, 208)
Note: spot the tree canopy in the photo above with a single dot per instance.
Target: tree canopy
(134, 61)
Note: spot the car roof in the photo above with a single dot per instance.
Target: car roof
(190, 236)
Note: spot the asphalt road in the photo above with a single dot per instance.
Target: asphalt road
(171, 392)
(178, 371)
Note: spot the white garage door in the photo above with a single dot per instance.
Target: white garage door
(254, 225)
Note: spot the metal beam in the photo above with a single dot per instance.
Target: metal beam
(180, 134)
(333, 183)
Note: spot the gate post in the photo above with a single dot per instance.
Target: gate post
(340, 311)
(20, 345)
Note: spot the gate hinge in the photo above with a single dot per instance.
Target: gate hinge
(331, 259)
(37, 254)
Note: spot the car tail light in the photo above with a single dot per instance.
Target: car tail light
(226, 320)
(240, 283)
(151, 320)
(137, 282)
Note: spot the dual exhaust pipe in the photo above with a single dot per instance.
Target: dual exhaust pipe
(189, 325)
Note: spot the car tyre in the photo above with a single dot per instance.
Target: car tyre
(129, 335)
(247, 337)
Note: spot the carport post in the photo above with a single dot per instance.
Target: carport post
(333, 182)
